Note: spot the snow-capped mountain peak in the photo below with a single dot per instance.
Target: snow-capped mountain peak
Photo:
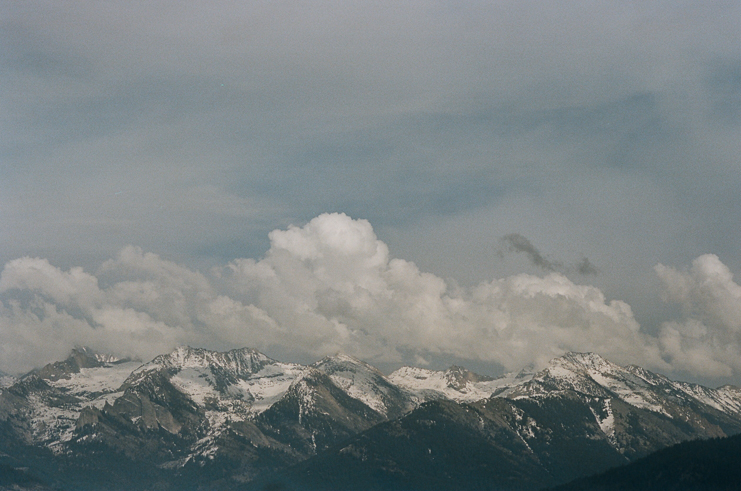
(588, 374)
(459, 378)
(79, 358)
(591, 375)
(590, 361)
(342, 363)
(55, 394)
(243, 380)
(365, 383)
(574, 366)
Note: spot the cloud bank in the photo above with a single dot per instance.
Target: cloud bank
(331, 285)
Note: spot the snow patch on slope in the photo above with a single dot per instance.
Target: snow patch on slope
(96, 381)
(253, 394)
(607, 422)
(268, 385)
(726, 399)
(196, 384)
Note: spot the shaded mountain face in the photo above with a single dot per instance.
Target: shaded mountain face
(495, 444)
(13, 478)
(196, 418)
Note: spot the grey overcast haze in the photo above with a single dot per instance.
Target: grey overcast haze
(490, 184)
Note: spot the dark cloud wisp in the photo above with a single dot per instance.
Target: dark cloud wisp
(519, 244)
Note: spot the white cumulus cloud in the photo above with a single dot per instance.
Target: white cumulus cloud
(708, 340)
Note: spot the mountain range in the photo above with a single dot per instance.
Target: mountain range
(200, 419)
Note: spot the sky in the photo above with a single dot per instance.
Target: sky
(490, 184)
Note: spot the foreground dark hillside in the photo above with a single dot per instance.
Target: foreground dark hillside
(700, 465)
(13, 478)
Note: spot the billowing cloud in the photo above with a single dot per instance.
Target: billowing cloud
(328, 286)
(139, 305)
(708, 340)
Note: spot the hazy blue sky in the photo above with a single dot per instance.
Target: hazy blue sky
(581, 143)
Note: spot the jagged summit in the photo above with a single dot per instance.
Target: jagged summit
(591, 375)
(587, 359)
(575, 365)
(242, 360)
(80, 357)
(240, 363)
(526, 373)
(580, 363)
(340, 357)
(343, 362)
(90, 353)
(584, 373)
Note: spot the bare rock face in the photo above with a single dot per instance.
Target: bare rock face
(89, 418)
(459, 377)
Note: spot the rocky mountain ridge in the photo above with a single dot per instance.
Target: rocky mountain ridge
(206, 417)
(578, 416)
